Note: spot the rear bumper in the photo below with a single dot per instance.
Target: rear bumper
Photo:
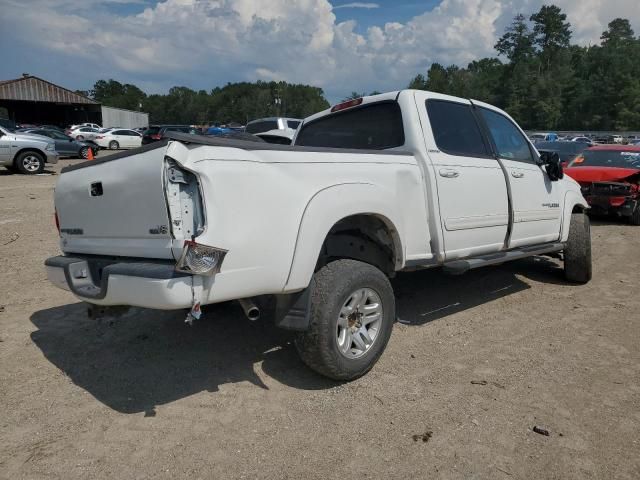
(108, 281)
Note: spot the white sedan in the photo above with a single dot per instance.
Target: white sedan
(84, 133)
(119, 138)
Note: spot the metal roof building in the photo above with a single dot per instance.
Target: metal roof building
(32, 100)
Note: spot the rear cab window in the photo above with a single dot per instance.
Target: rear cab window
(455, 129)
(374, 126)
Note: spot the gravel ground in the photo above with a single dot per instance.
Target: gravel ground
(473, 365)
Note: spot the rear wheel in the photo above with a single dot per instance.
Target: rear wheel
(577, 251)
(30, 163)
(84, 152)
(113, 145)
(352, 315)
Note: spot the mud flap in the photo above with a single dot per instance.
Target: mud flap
(293, 310)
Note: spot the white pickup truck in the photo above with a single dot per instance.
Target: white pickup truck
(372, 186)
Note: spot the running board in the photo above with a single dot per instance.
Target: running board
(458, 267)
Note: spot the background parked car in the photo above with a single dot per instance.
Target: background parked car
(280, 137)
(92, 125)
(272, 123)
(84, 133)
(66, 146)
(156, 132)
(543, 137)
(52, 127)
(26, 153)
(567, 151)
(582, 140)
(608, 176)
(119, 138)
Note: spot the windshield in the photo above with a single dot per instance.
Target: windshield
(608, 158)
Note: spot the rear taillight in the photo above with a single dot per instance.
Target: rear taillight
(156, 136)
(200, 259)
(55, 217)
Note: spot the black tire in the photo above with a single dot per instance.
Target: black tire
(113, 145)
(84, 152)
(577, 251)
(634, 219)
(331, 287)
(29, 163)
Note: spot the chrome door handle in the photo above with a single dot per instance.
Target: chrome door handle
(516, 174)
(449, 173)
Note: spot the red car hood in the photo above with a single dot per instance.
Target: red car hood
(600, 174)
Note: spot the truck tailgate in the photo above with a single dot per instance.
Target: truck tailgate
(116, 206)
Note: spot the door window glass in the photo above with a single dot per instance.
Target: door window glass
(510, 143)
(455, 129)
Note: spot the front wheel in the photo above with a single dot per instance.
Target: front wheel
(30, 163)
(84, 152)
(577, 251)
(352, 315)
(634, 219)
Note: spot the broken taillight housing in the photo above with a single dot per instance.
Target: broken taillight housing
(200, 259)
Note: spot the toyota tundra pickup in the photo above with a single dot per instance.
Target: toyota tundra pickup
(376, 185)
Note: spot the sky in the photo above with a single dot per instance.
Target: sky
(338, 45)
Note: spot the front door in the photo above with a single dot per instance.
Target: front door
(535, 198)
(471, 186)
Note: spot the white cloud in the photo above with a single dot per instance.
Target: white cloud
(357, 5)
(204, 43)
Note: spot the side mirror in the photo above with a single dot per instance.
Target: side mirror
(551, 162)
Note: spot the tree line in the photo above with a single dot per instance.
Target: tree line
(235, 102)
(547, 83)
(543, 80)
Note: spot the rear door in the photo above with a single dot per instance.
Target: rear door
(472, 190)
(535, 198)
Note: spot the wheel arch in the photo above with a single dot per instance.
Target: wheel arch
(574, 202)
(29, 149)
(350, 210)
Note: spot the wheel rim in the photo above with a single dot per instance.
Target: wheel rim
(113, 145)
(31, 163)
(359, 323)
(84, 153)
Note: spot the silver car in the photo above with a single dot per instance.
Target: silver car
(25, 153)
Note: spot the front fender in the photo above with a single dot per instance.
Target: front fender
(329, 206)
(571, 199)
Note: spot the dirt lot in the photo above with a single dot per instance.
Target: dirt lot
(476, 362)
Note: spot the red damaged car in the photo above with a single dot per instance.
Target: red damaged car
(610, 179)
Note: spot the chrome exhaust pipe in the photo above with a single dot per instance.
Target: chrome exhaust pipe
(250, 309)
